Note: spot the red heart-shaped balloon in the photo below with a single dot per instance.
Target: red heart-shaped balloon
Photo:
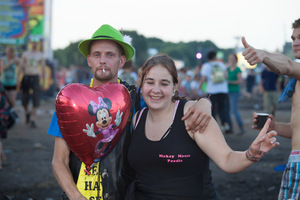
(87, 118)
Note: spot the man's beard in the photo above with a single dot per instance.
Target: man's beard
(103, 77)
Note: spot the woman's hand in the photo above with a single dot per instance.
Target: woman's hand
(265, 140)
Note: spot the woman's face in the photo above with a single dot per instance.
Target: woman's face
(232, 60)
(158, 88)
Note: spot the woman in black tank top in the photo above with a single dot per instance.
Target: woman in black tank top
(170, 162)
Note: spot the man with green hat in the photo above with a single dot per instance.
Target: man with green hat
(106, 52)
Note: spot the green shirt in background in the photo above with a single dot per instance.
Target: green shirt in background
(233, 76)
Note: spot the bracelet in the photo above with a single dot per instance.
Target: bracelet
(208, 98)
(250, 157)
(256, 152)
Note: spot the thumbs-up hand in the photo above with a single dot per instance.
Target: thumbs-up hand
(246, 45)
(253, 56)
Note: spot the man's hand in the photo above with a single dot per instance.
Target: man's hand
(253, 56)
(271, 125)
(198, 116)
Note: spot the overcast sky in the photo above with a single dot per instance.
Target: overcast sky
(266, 24)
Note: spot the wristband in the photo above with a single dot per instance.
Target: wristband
(256, 152)
(251, 158)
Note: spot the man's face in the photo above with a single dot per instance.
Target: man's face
(296, 42)
(105, 59)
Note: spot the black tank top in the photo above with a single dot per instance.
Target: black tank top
(172, 168)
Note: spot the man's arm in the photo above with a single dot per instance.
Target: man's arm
(42, 62)
(61, 170)
(23, 63)
(198, 115)
(282, 129)
(278, 63)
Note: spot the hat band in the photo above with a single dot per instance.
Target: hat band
(102, 36)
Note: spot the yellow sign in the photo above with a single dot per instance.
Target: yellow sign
(90, 185)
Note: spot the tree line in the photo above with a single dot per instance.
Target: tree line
(185, 51)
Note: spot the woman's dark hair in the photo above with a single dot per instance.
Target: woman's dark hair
(235, 56)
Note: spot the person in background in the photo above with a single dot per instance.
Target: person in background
(8, 91)
(106, 52)
(195, 87)
(234, 81)
(9, 73)
(186, 84)
(217, 89)
(270, 87)
(32, 61)
(3, 125)
(170, 162)
(2, 155)
(127, 74)
(82, 74)
(250, 82)
(283, 65)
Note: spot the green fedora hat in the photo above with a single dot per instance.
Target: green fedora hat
(106, 32)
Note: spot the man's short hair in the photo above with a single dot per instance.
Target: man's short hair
(211, 55)
(296, 24)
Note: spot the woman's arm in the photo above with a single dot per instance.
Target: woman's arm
(213, 143)
(9, 63)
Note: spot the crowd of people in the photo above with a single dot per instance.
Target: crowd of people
(201, 100)
(20, 74)
(225, 97)
(71, 74)
(235, 87)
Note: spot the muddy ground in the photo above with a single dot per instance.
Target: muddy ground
(27, 173)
